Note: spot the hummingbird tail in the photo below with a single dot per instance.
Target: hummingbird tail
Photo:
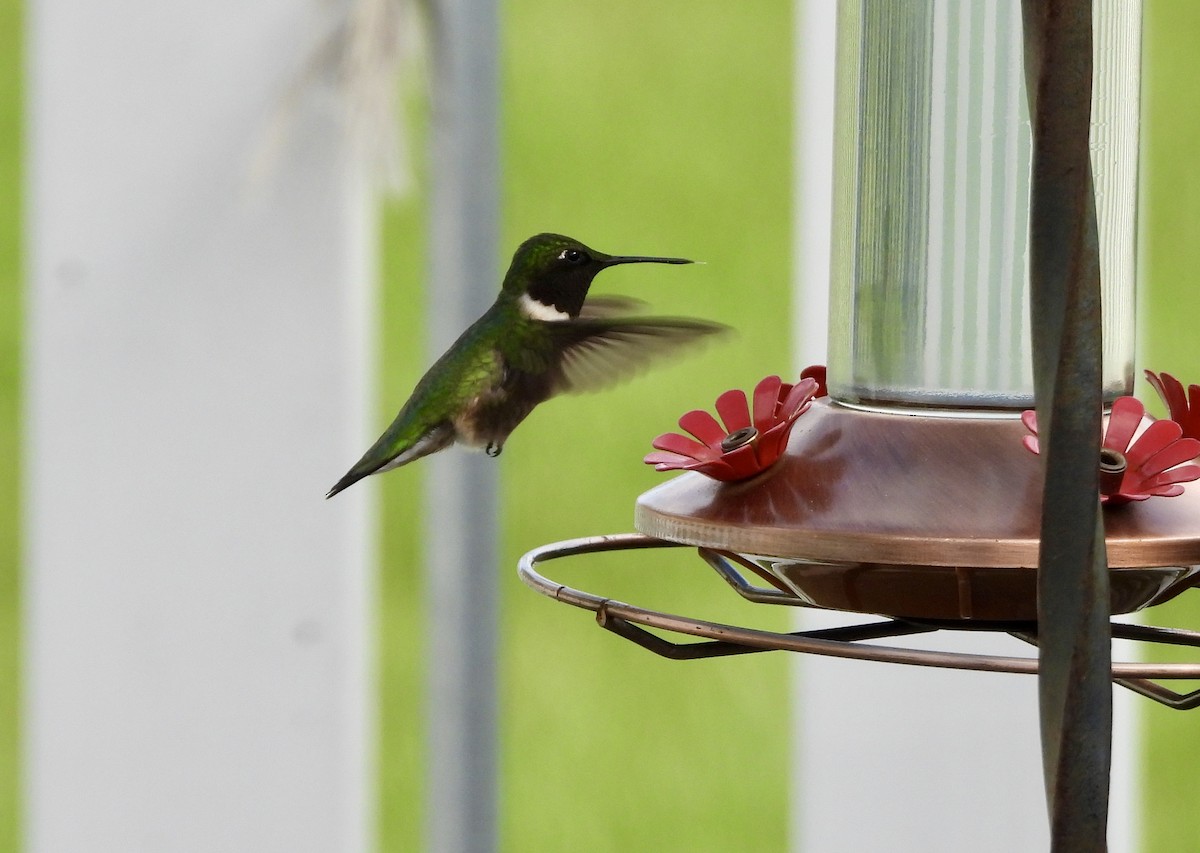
(384, 456)
(352, 477)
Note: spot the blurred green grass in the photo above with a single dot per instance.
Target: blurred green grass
(642, 128)
(10, 319)
(1170, 305)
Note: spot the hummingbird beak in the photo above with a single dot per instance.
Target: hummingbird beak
(613, 260)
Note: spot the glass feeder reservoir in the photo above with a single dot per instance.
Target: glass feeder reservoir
(929, 300)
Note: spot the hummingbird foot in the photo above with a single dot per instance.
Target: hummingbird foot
(493, 449)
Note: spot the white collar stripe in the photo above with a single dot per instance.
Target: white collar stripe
(535, 310)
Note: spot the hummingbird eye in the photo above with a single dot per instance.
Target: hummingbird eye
(573, 256)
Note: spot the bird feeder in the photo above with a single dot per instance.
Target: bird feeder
(909, 491)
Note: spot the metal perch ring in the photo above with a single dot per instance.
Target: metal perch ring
(845, 642)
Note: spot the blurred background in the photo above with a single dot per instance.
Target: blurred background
(661, 128)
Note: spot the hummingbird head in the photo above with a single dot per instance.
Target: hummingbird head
(550, 274)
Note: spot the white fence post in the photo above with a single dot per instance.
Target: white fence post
(196, 642)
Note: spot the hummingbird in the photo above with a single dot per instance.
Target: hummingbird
(541, 337)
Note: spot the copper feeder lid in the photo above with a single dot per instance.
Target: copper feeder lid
(914, 515)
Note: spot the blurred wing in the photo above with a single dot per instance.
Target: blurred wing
(600, 352)
(600, 307)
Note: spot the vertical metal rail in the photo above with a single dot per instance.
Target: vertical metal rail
(461, 491)
(1073, 599)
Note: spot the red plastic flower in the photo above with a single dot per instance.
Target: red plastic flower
(817, 372)
(749, 442)
(1136, 468)
(1185, 409)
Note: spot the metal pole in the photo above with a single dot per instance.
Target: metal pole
(1073, 596)
(462, 491)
